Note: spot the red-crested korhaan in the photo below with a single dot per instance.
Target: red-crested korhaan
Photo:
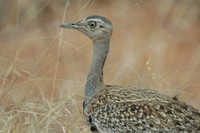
(118, 109)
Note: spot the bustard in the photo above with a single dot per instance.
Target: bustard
(117, 109)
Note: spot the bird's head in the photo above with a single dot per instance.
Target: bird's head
(95, 27)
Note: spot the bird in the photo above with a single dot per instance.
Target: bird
(119, 109)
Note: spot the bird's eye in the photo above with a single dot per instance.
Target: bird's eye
(92, 24)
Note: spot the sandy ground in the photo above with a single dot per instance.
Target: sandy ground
(155, 44)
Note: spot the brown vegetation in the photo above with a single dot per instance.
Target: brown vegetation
(43, 68)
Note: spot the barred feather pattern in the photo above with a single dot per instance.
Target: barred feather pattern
(115, 109)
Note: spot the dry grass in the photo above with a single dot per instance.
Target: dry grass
(43, 68)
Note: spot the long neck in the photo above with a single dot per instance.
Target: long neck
(95, 75)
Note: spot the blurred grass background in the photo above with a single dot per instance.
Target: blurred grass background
(43, 68)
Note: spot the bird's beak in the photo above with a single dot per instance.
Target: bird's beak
(70, 25)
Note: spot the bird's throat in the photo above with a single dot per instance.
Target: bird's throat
(95, 75)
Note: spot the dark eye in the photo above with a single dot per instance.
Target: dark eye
(92, 24)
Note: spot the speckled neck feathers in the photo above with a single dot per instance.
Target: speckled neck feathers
(95, 75)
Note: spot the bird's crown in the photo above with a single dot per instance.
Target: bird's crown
(95, 27)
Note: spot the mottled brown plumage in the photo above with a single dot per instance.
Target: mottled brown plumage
(130, 110)
(117, 109)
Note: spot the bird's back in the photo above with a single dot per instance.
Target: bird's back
(115, 109)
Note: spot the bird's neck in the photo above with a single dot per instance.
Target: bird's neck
(95, 75)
